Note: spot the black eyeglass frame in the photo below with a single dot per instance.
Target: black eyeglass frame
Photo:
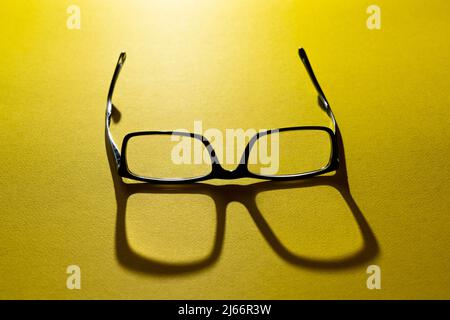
(217, 171)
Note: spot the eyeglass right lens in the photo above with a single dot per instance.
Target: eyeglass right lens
(167, 156)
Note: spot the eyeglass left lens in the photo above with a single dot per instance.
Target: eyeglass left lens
(290, 152)
(167, 156)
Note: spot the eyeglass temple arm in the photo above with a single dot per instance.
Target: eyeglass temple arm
(323, 102)
(109, 108)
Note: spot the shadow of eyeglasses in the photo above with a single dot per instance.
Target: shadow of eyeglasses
(222, 195)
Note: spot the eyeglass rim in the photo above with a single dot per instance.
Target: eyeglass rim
(217, 171)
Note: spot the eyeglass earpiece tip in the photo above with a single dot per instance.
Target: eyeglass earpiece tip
(301, 52)
(122, 57)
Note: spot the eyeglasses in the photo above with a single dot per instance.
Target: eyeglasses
(167, 157)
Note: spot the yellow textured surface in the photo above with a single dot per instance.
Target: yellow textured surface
(231, 64)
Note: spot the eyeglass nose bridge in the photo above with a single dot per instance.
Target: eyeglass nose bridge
(221, 173)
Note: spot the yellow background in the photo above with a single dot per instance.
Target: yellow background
(230, 64)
